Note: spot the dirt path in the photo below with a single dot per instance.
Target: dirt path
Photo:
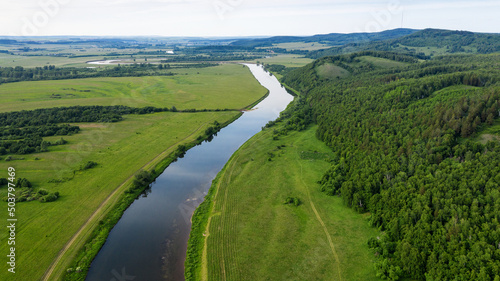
(48, 274)
(328, 236)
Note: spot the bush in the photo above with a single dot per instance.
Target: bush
(88, 165)
(292, 200)
(142, 179)
(43, 192)
(22, 182)
(50, 197)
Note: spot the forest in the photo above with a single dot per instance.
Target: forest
(406, 151)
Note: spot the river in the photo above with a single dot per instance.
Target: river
(150, 240)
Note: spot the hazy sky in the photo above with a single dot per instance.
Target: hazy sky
(240, 17)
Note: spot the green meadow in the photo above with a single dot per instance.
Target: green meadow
(244, 231)
(7, 60)
(306, 46)
(225, 86)
(382, 62)
(121, 150)
(287, 60)
(331, 71)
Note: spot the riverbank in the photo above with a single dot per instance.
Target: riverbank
(90, 248)
(245, 231)
(174, 197)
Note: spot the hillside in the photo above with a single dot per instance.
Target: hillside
(405, 150)
(426, 43)
(333, 39)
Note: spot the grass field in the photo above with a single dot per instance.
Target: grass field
(120, 149)
(7, 60)
(306, 46)
(224, 86)
(383, 63)
(491, 133)
(253, 235)
(428, 51)
(331, 71)
(286, 60)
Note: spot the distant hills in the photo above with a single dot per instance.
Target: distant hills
(428, 42)
(333, 39)
(422, 43)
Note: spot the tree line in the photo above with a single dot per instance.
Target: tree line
(51, 72)
(405, 151)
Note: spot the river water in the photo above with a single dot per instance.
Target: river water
(150, 240)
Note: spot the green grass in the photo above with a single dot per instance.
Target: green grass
(331, 71)
(286, 60)
(7, 60)
(428, 51)
(306, 46)
(490, 133)
(224, 86)
(252, 235)
(383, 63)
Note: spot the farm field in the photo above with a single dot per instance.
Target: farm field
(306, 46)
(7, 60)
(120, 149)
(192, 88)
(253, 235)
(286, 60)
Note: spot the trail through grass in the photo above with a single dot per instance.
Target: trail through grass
(252, 235)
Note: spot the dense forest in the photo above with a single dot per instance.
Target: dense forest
(407, 151)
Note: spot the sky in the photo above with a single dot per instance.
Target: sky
(208, 18)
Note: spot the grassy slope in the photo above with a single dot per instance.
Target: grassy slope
(224, 86)
(252, 235)
(383, 63)
(331, 71)
(121, 149)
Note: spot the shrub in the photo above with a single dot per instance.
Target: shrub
(88, 165)
(42, 192)
(292, 200)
